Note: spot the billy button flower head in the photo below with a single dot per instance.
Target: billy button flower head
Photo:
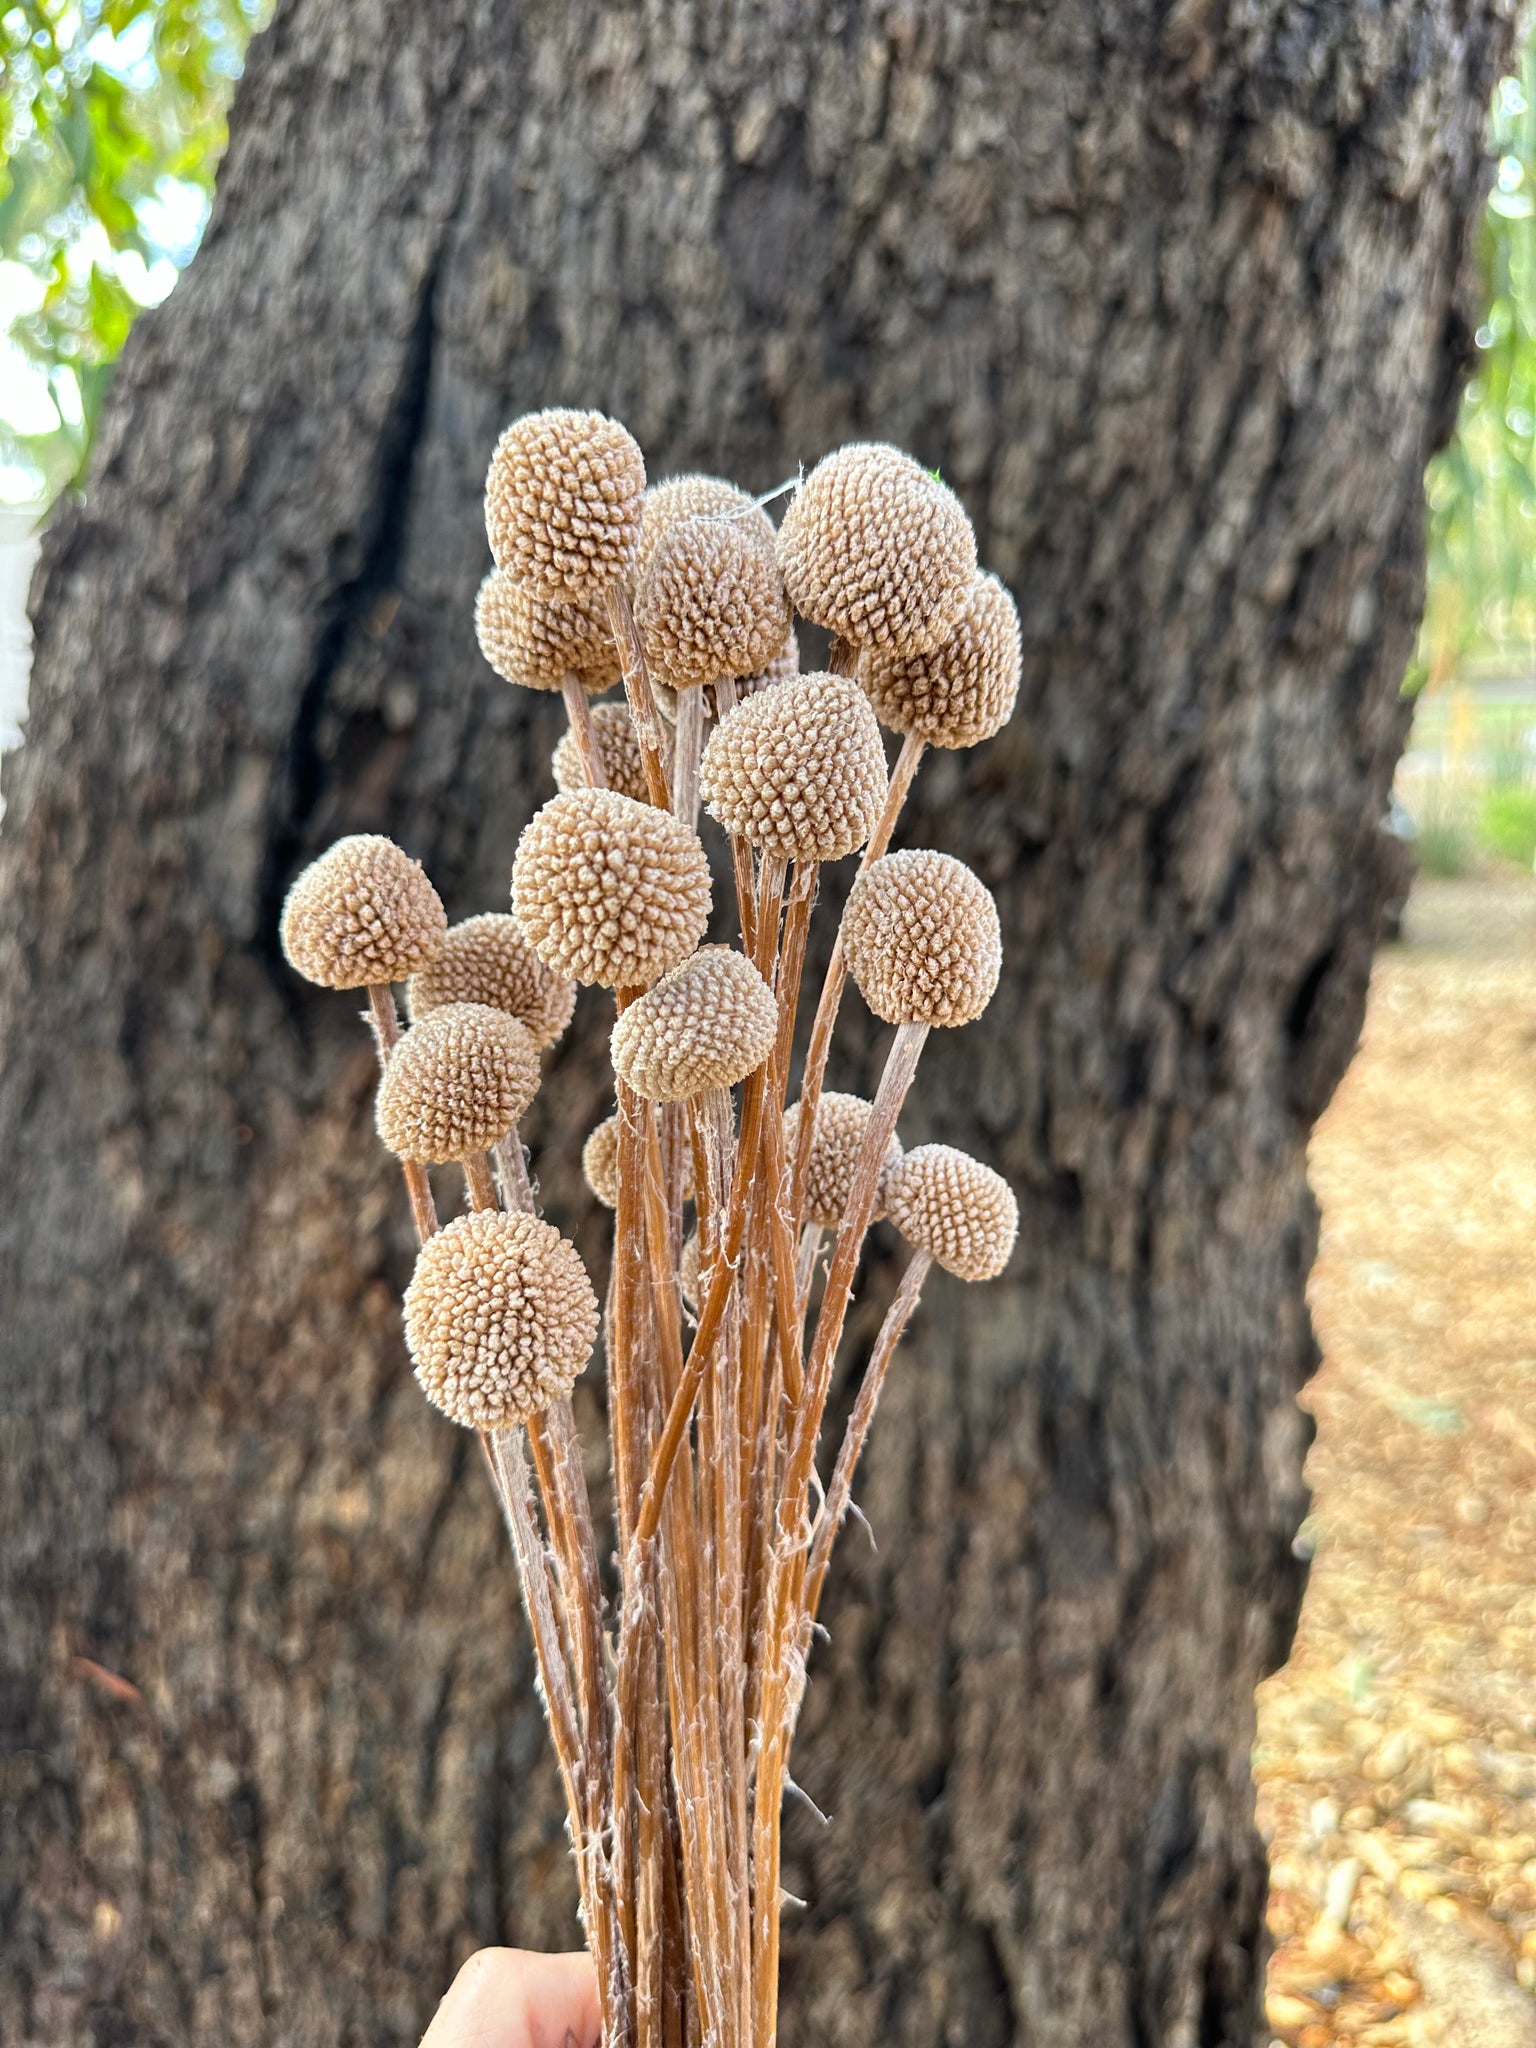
(877, 550)
(799, 770)
(541, 642)
(922, 939)
(618, 751)
(563, 501)
(487, 960)
(841, 1121)
(961, 692)
(707, 1024)
(696, 501)
(961, 1213)
(608, 890)
(712, 604)
(500, 1318)
(457, 1082)
(362, 916)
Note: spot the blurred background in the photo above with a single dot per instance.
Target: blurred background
(1396, 1760)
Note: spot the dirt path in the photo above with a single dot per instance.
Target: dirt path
(1396, 1759)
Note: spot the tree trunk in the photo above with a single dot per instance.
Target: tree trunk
(1176, 297)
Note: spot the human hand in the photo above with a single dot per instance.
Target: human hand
(513, 1998)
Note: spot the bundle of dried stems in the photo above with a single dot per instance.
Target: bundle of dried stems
(673, 1703)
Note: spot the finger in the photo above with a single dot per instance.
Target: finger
(514, 1998)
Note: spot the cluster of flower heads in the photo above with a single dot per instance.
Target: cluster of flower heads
(612, 889)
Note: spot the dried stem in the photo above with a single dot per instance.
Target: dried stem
(578, 710)
(478, 1179)
(825, 1022)
(688, 745)
(385, 1020)
(637, 688)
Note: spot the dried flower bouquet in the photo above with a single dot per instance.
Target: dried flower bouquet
(673, 1709)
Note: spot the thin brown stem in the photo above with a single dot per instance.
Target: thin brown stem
(840, 1493)
(480, 1182)
(832, 987)
(637, 688)
(512, 1166)
(385, 1020)
(688, 745)
(578, 710)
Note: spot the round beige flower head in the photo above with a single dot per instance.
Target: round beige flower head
(707, 1024)
(712, 604)
(840, 1125)
(921, 936)
(954, 1208)
(362, 915)
(798, 770)
(500, 1318)
(617, 749)
(876, 549)
(539, 641)
(962, 692)
(697, 501)
(487, 960)
(456, 1083)
(600, 1164)
(563, 501)
(609, 890)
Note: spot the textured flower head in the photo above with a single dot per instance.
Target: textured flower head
(617, 748)
(696, 501)
(539, 641)
(362, 915)
(487, 960)
(957, 1210)
(841, 1121)
(609, 890)
(921, 935)
(878, 550)
(563, 501)
(456, 1083)
(959, 693)
(707, 1024)
(712, 604)
(798, 770)
(500, 1318)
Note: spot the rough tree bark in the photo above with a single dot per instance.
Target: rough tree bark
(1175, 295)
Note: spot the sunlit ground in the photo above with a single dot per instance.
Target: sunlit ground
(1396, 1759)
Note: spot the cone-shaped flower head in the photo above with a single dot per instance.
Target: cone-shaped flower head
(617, 749)
(840, 1125)
(600, 1164)
(563, 500)
(696, 501)
(500, 1317)
(609, 890)
(798, 770)
(539, 641)
(959, 1211)
(456, 1083)
(877, 549)
(959, 693)
(921, 935)
(712, 604)
(361, 915)
(487, 960)
(707, 1024)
